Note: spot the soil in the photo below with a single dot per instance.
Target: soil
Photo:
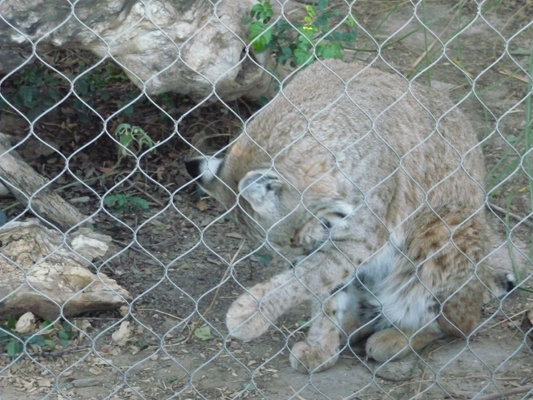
(184, 261)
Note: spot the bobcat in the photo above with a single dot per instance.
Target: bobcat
(373, 188)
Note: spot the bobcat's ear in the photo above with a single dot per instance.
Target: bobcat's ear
(204, 170)
(327, 222)
(335, 214)
(261, 188)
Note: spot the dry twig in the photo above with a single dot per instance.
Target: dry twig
(505, 393)
(424, 54)
(215, 297)
(523, 220)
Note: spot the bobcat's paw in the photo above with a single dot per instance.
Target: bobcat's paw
(305, 358)
(244, 319)
(387, 345)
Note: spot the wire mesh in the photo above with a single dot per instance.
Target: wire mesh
(177, 261)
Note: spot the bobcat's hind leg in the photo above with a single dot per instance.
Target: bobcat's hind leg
(393, 344)
(461, 312)
(320, 350)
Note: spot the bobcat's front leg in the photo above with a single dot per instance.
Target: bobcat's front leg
(315, 276)
(321, 348)
(255, 311)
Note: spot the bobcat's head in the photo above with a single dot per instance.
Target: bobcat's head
(270, 207)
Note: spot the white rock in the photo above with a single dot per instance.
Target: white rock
(26, 323)
(187, 47)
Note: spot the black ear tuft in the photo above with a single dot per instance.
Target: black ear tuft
(194, 166)
(510, 282)
(204, 169)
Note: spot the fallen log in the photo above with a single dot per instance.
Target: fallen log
(33, 190)
(48, 273)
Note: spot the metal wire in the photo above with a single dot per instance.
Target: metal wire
(222, 367)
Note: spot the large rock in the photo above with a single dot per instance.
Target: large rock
(184, 46)
(41, 274)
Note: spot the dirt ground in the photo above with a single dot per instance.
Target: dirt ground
(178, 266)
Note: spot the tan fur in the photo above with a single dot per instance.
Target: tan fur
(359, 177)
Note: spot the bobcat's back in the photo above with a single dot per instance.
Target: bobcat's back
(343, 133)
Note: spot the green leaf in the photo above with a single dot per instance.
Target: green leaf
(54, 93)
(255, 30)
(259, 45)
(31, 77)
(128, 110)
(122, 127)
(307, 34)
(304, 324)
(350, 21)
(264, 259)
(63, 335)
(111, 200)
(267, 36)
(5, 333)
(138, 202)
(322, 4)
(11, 322)
(3, 216)
(82, 86)
(286, 50)
(258, 8)
(249, 386)
(122, 199)
(302, 56)
(303, 44)
(13, 348)
(323, 21)
(333, 50)
(26, 94)
(203, 333)
(37, 340)
(126, 139)
(267, 12)
(511, 138)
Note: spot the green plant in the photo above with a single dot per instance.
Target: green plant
(94, 88)
(313, 36)
(133, 138)
(14, 342)
(516, 158)
(126, 203)
(37, 88)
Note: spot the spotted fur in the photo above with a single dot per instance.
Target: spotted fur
(374, 189)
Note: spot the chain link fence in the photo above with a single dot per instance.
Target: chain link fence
(137, 308)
